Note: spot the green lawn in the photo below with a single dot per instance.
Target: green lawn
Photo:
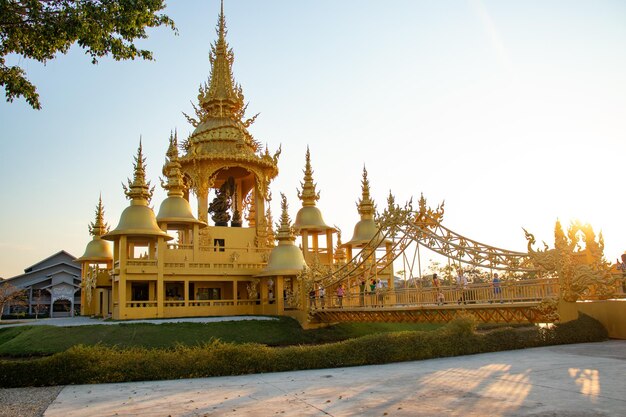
(46, 340)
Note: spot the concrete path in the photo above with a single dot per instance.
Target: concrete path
(88, 321)
(571, 380)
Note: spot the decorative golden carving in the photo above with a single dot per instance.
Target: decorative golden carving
(548, 309)
(139, 188)
(308, 195)
(252, 288)
(89, 283)
(578, 261)
(99, 227)
(249, 208)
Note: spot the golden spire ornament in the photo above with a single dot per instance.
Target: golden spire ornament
(308, 195)
(285, 231)
(139, 190)
(340, 252)
(365, 205)
(222, 97)
(99, 227)
(171, 169)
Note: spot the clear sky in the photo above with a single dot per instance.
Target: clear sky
(513, 112)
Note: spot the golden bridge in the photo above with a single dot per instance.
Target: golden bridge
(541, 286)
(520, 302)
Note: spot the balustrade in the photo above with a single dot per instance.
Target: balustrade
(519, 291)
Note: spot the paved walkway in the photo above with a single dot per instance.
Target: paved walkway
(88, 321)
(570, 380)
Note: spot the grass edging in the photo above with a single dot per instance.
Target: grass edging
(101, 364)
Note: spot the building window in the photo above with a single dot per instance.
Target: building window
(219, 245)
(140, 291)
(209, 293)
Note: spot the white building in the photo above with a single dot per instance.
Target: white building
(52, 286)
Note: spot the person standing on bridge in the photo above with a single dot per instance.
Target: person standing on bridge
(312, 298)
(380, 292)
(461, 283)
(340, 293)
(362, 293)
(437, 290)
(497, 290)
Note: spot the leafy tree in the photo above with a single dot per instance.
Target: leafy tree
(38, 304)
(10, 295)
(38, 29)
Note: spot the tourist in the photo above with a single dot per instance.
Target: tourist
(322, 292)
(380, 292)
(436, 289)
(340, 293)
(373, 291)
(497, 290)
(441, 300)
(362, 293)
(312, 298)
(435, 281)
(461, 283)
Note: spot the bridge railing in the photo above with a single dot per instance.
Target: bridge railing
(514, 292)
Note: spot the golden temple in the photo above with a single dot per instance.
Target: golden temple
(177, 264)
(228, 259)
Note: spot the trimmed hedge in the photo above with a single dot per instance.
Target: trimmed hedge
(100, 364)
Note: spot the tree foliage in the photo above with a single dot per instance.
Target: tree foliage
(39, 29)
(10, 295)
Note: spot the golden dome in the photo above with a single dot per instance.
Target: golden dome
(310, 218)
(176, 210)
(137, 220)
(364, 232)
(97, 251)
(365, 229)
(286, 258)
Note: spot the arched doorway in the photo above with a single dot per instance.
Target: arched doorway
(61, 308)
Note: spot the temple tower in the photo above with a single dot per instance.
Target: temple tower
(365, 237)
(309, 222)
(221, 154)
(175, 214)
(285, 262)
(95, 265)
(137, 274)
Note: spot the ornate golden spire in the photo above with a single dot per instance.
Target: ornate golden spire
(308, 196)
(340, 252)
(365, 205)
(171, 169)
(222, 97)
(139, 190)
(285, 231)
(99, 227)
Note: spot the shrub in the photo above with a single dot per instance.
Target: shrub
(99, 364)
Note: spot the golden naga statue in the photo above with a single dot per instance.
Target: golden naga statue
(578, 261)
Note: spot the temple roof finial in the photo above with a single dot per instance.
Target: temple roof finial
(171, 169)
(99, 227)
(285, 231)
(340, 252)
(308, 195)
(222, 97)
(365, 204)
(138, 189)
